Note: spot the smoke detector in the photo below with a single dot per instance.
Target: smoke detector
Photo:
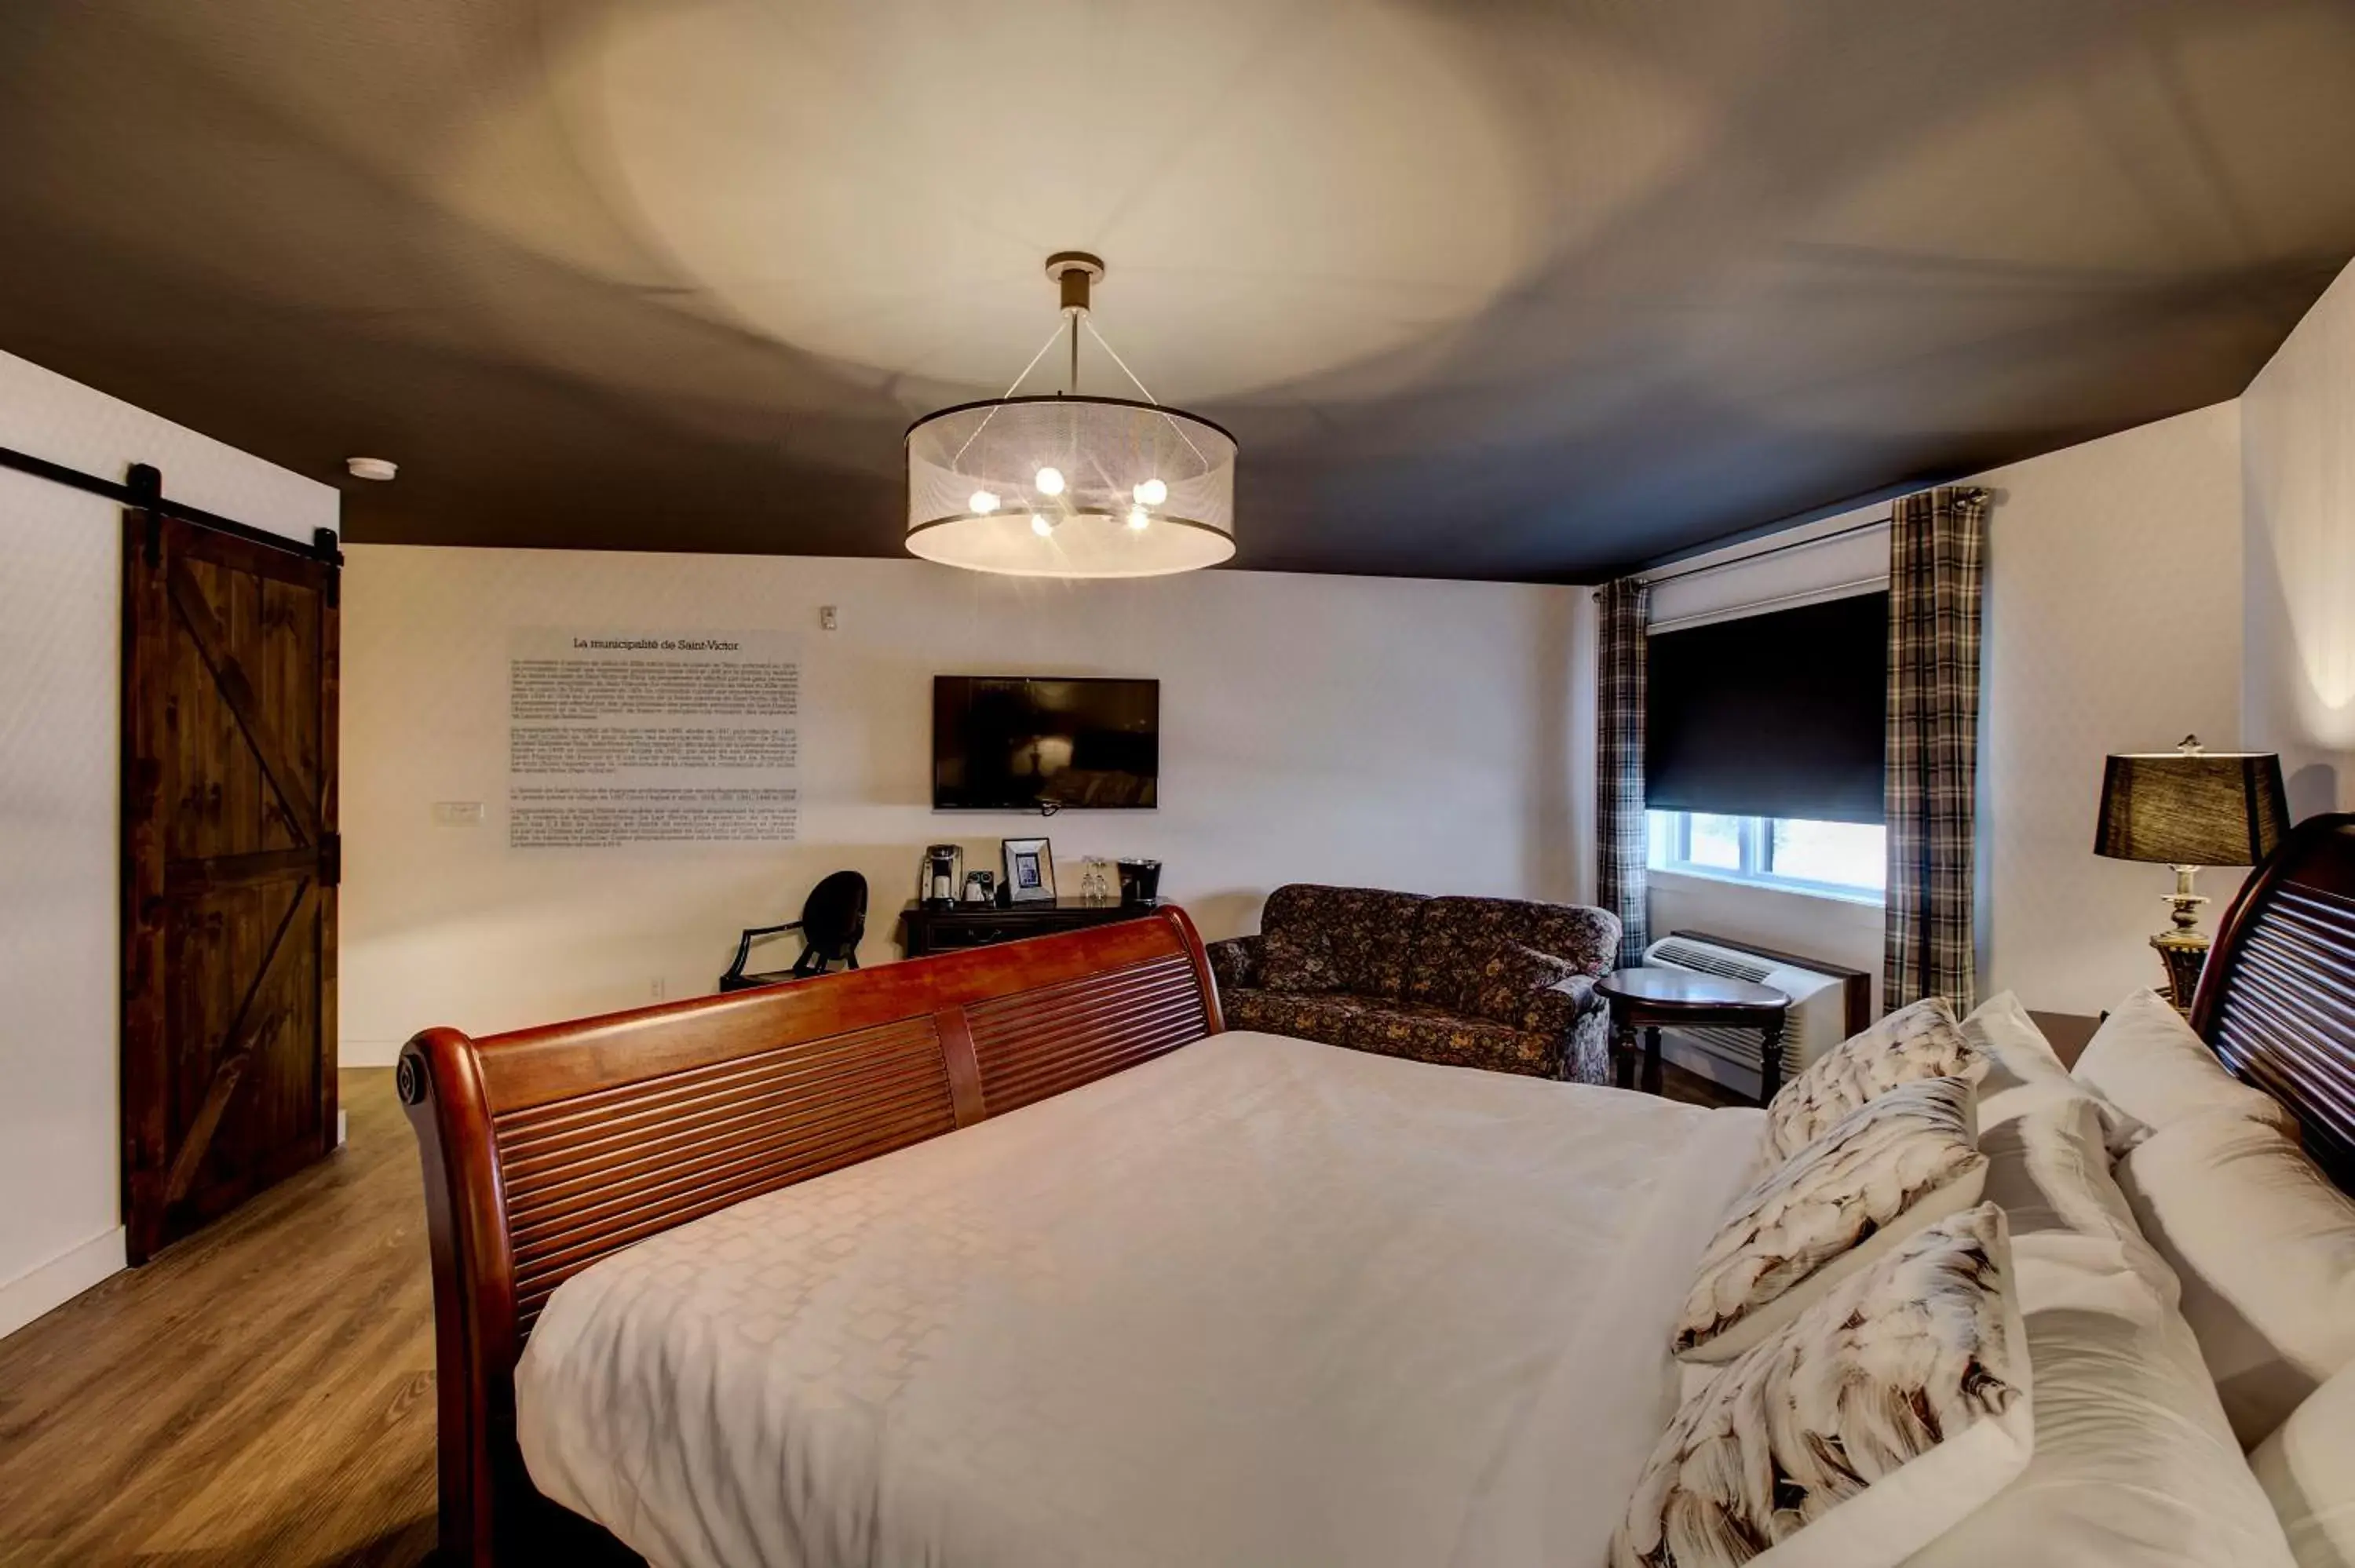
(372, 468)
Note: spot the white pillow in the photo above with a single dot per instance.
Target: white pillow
(2134, 1467)
(2145, 1060)
(2021, 1063)
(1884, 1171)
(1859, 1431)
(1922, 1041)
(2308, 1468)
(2266, 1248)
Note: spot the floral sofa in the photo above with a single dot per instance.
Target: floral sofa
(1475, 982)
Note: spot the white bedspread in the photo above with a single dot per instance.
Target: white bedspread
(1260, 1301)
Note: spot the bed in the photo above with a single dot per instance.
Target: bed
(1017, 1249)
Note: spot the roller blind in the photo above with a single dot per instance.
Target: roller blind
(1778, 714)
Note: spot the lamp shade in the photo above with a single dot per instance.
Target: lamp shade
(2192, 808)
(1070, 487)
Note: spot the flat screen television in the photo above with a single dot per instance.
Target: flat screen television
(1021, 742)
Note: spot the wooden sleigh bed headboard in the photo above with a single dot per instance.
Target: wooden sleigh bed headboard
(548, 1149)
(2277, 1002)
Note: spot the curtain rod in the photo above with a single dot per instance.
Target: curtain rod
(1648, 579)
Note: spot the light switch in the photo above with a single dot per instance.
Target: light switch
(457, 813)
(826, 619)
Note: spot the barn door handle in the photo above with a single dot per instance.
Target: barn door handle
(331, 860)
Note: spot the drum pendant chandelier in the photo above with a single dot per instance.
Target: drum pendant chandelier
(1069, 486)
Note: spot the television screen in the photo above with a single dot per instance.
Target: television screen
(1012, 743)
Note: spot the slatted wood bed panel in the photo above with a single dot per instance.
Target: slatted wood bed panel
(2278, 1001)
(1043, 1042)
(587, 1176)
(548, 1149)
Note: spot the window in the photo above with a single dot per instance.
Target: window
(1846, 859)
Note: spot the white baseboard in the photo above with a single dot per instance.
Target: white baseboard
(59, 1280)
(367, 1053)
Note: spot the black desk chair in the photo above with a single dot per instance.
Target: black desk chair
(833, 917)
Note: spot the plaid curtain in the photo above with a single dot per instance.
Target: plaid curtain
(1936, 549)
(1621, 835)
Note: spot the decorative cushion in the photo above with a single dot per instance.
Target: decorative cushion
(2308, 1469)
(2022, 1069)
(1299, 961)
(1886, 1170)
(1918, 1041)
(2264, 1246)
(2134, 1467)
(2145, 1060)
(1508, 980)
(1859, 1431)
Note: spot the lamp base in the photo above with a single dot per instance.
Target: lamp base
(2183, 954)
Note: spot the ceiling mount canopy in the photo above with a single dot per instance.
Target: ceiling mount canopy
(1062, 485)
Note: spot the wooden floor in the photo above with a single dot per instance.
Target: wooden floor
(259, 1394)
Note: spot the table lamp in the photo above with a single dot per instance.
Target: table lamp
(2190, 808)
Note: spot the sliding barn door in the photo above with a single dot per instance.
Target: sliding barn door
(230, 861)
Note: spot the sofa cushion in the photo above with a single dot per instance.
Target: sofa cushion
(1323, 1017)
(1369, 932)
(1300, 961)
(1454, 937)
(1425, 1032)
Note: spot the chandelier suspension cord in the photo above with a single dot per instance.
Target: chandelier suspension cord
(1140, 385)
(1010, 389)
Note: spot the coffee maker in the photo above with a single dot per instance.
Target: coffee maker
(942, 876)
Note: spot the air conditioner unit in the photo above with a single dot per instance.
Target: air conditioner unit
(1817, 1020)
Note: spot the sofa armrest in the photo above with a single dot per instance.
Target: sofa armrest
(1593, 944)
(1557, 1009)
(1235, 962)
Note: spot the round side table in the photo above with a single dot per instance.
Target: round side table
(1649, 999)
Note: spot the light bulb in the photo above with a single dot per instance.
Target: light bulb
(1138, 517)
(1152, 492)
(982, 502)
(1050, 481)
(1040, 525)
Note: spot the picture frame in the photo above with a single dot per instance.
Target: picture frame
(1029, 871)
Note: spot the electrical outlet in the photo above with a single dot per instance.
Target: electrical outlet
(661, 988)
(457, 813)
(826, 619)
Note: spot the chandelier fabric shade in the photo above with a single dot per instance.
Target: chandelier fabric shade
(1070, 487)
(1067, 485)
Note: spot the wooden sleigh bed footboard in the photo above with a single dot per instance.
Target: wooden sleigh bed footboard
(547, 1150)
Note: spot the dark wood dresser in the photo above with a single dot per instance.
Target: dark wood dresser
(928, 928)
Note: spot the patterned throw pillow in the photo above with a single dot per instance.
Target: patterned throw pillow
(1872, 1425)
(1302, 963)
(1505, 985)
(1886, 1170)
(1918, 1041)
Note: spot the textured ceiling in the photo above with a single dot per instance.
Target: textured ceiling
(1485, 289)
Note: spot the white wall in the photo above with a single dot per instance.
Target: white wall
(2299, 461)
(1417, 735)
(60, 1225)
(2113, 623)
